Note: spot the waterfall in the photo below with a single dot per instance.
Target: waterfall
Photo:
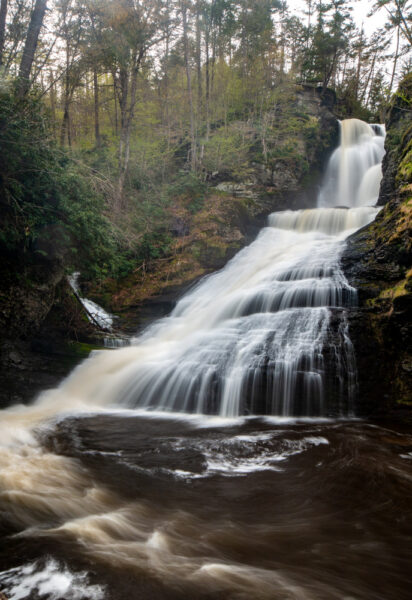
(354, 171)
(94, 312)
(267, 334)
(250, 339)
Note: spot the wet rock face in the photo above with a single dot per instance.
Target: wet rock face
(377, 261)
(397, 161)
(26, 296)
(40, 326)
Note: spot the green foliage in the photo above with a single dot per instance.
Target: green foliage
(349, 107)
(50, 209)
(155, 245)
(227, 151)
(329, 39)
(188, 186)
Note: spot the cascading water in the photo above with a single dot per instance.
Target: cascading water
(354, 171)
(267, 334)
(94, 312)
(250, 339)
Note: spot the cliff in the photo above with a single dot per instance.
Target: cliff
(377, 261)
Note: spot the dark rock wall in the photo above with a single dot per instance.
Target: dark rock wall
(377, 261)
(38, 316)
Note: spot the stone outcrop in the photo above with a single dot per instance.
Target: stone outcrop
(38, 317)
(378, 262)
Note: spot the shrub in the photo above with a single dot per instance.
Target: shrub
(50, 210)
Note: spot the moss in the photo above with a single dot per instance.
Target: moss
(403, 402)
(81, 349)
(380, 267)
(400, 289)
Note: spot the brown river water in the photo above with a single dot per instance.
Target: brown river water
(125, 505)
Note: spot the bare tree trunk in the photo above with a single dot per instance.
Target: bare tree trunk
(394, 62)
(207, 83)
(116, 116)
(212, 78)
(65, 128)
(122, 87)
(370, 76)
(358, 69)
(193, 157)
(96, 108)
(198, 61)
(309, 22)
(52, 98)
(36, 21)
(243, 41)
(3, 15)
(405, 28)
(166, 113)
(127, 102)
(370, 89)
(64, 131)
(345, 64)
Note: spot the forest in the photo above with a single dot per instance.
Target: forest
(113, 110)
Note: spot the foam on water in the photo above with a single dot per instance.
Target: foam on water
(50, 581)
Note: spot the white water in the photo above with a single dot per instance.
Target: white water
(267, 334)
(94, 312)
(52, 581)
(354, 170)
(249, 338)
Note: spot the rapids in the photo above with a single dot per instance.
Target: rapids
(127, 506)
(147, 473)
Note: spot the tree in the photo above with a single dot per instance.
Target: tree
(72, 32)
(329, 42)
(3, 16)
(30, 46)
(400, 15)
(124, 33)
(193, 149)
